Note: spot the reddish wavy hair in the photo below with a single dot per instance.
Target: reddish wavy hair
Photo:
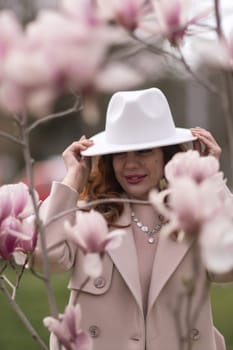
(102, 183)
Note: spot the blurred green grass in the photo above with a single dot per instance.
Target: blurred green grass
(32, 298)
(222, 306)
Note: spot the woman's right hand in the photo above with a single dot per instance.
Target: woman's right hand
(78, 167)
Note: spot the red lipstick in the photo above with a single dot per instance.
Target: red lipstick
(134, 179)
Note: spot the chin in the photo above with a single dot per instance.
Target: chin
(139, 196)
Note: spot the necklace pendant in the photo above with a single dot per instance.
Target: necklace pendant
(145, 228)
(151, 239)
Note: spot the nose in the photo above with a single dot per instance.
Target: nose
(131, 160)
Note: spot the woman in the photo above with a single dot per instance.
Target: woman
(133, 304)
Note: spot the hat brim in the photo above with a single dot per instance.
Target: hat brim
(102, 147)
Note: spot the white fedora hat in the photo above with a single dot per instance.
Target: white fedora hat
(137, 120)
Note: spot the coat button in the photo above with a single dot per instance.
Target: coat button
(94, 331)
(99, 282)
(194, 334)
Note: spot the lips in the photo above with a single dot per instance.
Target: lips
(134, 179)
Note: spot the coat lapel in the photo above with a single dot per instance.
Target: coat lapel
(125, 257)
(168, 255)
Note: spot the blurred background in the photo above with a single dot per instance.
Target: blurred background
(191, 104)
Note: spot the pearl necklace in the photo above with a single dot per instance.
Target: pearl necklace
(150, 233)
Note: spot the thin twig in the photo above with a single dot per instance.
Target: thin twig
(87, 279)
(50, 117)
(181, 59)
(210, 87)
(20, 275)
(10, 284)
(218, 19)
(38, 222)
(23, 318)
(11, 138)
(3, 268)
(154, 49)
(35, 273)
(93, 204)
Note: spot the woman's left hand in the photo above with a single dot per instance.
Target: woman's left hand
(206, 143)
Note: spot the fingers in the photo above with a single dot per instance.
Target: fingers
(78, 167)
(206, 143)
(78, 146)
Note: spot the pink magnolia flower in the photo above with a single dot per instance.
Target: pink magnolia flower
(82, 10)
(191, 164)
(216, 243)
(87, 45)
(33, 85)
(189, 205)
(127, 13)
(22, 206)
(90, 233)
(16, 235)
(173, 19)
(17, 227)
(28, 84)
(67, 329)
(10, 33)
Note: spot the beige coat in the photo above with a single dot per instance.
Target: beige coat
(112, 310)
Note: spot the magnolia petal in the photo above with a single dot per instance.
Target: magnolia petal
(69, 319)
(83, 342)
(181, 236)
(217, 261)
(157, 199)
(92, 265)
(169, 228)
(216, 241)
(73, 235)
(55, 326)
(78, 315)
(18, 234)
(92, 225)
(191, 164)
(51, 323)
(114, 239)
(20, 198)
(7, 246)
(20, 258)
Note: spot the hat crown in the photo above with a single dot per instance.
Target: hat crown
(135, 117)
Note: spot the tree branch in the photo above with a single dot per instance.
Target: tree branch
(76, 107)
(218, 19)
(93, 203)
(22, 317)
(11, 138)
